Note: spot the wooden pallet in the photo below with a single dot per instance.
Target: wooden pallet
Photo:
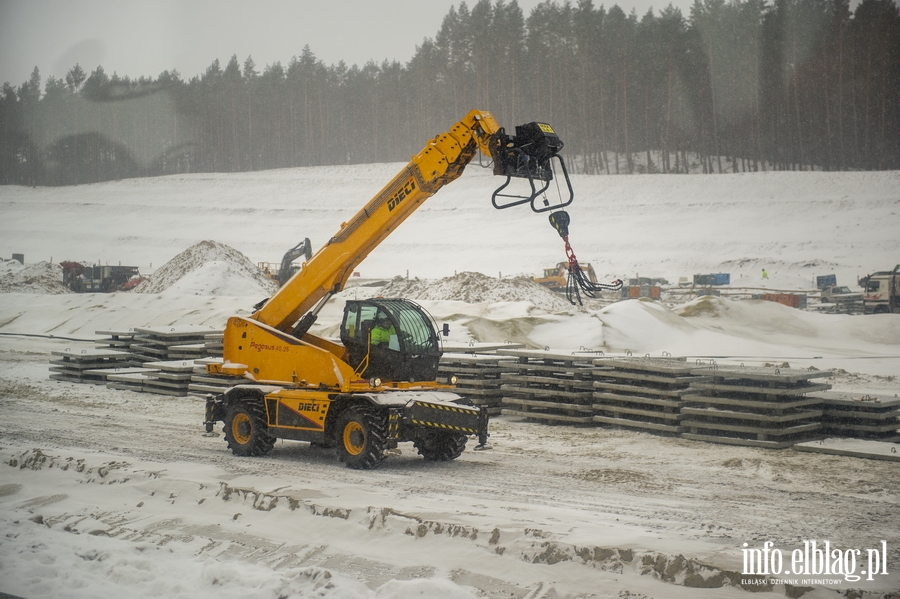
(643, 393)
(548, 386)
(760, 406)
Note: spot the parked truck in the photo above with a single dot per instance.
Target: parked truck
(99, 278)
(882, 292)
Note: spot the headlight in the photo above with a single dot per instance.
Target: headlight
(453, 379)
(376, 382)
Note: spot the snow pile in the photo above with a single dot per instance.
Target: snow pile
(208, 268)
(42, 277)
(474, 288)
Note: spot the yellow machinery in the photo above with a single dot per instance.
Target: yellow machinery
(280, 273)
(378, 386)
(557, 278)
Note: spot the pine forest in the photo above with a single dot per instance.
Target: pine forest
(743, 85)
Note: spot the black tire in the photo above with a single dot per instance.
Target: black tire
(246, 430)
(360, 437)
(440, 446)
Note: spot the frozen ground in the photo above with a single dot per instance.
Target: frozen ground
(109, 492)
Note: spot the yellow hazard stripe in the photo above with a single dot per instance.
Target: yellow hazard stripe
(393, 425)
(472, 411)
(448, 427)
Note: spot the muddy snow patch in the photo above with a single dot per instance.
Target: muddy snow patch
(41, 277)
(474, 288)
(209, 268)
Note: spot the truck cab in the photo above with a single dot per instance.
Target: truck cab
(882, 292)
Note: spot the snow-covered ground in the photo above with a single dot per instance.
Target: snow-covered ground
(109, 492)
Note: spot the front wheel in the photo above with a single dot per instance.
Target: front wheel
(440, 446)
(361, 437)
(246, 431)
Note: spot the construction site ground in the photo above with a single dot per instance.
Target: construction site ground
(550, 511)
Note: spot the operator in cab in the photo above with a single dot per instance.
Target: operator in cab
(383, 333)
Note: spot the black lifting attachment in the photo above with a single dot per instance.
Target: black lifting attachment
(578, 280)
(528, 155)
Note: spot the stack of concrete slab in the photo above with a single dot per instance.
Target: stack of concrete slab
(644, 393)
(77, 365)
(101, 375)
(857, 448)
(202, 383)
(129, 381)
(549, 386)
(861, 416)
(477, 347)
(215, 343)
(168, 343)
(478, 377)
(170, 377)
(119, 340)
(756, 406)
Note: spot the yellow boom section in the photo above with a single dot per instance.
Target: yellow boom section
(440, 162)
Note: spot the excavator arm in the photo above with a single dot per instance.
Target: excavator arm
(304, 248)
(526, 155)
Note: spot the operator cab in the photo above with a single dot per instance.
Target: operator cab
(391, 339)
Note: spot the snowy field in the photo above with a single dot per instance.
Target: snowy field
(114, 493)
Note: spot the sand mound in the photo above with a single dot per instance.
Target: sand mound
(474, 287)
(208, 268)
(41, 277)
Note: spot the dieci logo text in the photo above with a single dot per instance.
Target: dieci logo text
(815, 559)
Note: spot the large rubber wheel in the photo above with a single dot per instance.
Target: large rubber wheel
(246, 431)
(360, 437)
(440, 446)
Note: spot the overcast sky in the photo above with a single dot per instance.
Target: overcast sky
(145, 37)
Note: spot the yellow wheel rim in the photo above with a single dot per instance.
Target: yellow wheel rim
(241, 428)
(354, 438)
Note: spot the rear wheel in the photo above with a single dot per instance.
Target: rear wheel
(246, 431)
(440, 446)
(360, 437)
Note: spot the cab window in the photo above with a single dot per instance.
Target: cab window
(357, 319)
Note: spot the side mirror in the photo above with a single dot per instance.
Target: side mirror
(445, 331)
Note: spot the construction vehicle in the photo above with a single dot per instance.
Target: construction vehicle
(882, 292)
(282, 272)
(99, 278)
(555, 279)
(377, 387)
